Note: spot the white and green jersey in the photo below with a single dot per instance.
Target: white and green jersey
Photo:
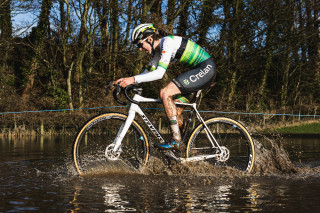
(172, 49)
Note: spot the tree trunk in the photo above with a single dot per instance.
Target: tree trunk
(316, 43)
(156, 14)
(128, 32)
(81, 53)
(69, 86)
(38, 37)
(115, 37)
(287, 65)
(183, 20)
(206, 18)
(234, 48)
(312, 34)
(5, 34)
(5, 20)
(269, 53)
(65, 31)
(173, 13)
(223, 45)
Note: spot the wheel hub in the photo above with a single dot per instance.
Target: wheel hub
(112, 155)
(224, 155)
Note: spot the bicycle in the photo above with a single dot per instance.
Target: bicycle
(115, 139)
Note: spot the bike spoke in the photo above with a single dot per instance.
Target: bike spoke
(236, 147)
(94, 149)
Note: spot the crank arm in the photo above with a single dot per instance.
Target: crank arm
(171, 155)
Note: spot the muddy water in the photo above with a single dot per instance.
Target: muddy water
(36, 174)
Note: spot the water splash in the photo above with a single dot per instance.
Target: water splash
(158, 166)
(271, 159)
(274, 160)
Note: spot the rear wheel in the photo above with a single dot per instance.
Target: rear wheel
(93, 146)
(237, 148)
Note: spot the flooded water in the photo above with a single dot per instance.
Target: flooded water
(37, 174)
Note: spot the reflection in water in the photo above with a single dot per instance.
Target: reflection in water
(112, 198)
(222, 194)
(142, 196)
(217, 200)
(74, 202)
(253, 197)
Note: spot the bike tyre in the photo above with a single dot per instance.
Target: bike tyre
(229, 133)
(99, 132)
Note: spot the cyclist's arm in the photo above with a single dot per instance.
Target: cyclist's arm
(150, 76)
(158, 67)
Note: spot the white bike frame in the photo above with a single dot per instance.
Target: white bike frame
(135, 108)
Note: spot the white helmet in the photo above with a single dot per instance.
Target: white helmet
(142, 31)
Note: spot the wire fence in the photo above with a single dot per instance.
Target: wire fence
(21, 123)
(159, 109)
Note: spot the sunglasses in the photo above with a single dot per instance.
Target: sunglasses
(139, 45)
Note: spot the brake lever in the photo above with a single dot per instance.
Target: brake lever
(117, 92)
(109, 87)
(134, 88)
(118, 89)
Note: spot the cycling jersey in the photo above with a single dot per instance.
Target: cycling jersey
(181, 50)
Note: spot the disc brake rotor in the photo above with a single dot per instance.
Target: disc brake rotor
(112, 155)
(224, 155)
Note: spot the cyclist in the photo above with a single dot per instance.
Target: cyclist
(163, 50)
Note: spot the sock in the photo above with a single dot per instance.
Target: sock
(175, 128)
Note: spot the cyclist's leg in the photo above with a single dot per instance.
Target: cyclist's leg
(179, 114)
(191, 81)
(170, 108)
(182, 99)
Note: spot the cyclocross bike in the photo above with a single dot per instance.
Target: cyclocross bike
(114, 137)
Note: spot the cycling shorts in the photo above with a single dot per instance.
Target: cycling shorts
(200, 77)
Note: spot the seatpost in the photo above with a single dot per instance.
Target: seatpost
(197, 96)
(191, 114)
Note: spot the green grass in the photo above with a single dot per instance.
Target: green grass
(313, 128)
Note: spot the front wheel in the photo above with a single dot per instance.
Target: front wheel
(93, 148)
(236, 145)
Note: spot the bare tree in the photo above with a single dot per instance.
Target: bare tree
(38, 37)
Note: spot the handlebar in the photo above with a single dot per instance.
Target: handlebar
(137, 90)
(117, 91)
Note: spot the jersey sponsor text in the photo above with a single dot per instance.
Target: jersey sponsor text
(201, 74)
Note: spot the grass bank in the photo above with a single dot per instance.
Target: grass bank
(308, 128)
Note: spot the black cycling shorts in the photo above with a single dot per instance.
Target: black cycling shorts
(198, 78)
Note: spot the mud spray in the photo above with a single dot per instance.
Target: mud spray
(275, 160)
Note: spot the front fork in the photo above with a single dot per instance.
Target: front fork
(123, 129)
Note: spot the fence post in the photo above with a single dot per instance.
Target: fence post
(15, 125)
(41, 128)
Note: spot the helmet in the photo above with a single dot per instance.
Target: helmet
(142, 31)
